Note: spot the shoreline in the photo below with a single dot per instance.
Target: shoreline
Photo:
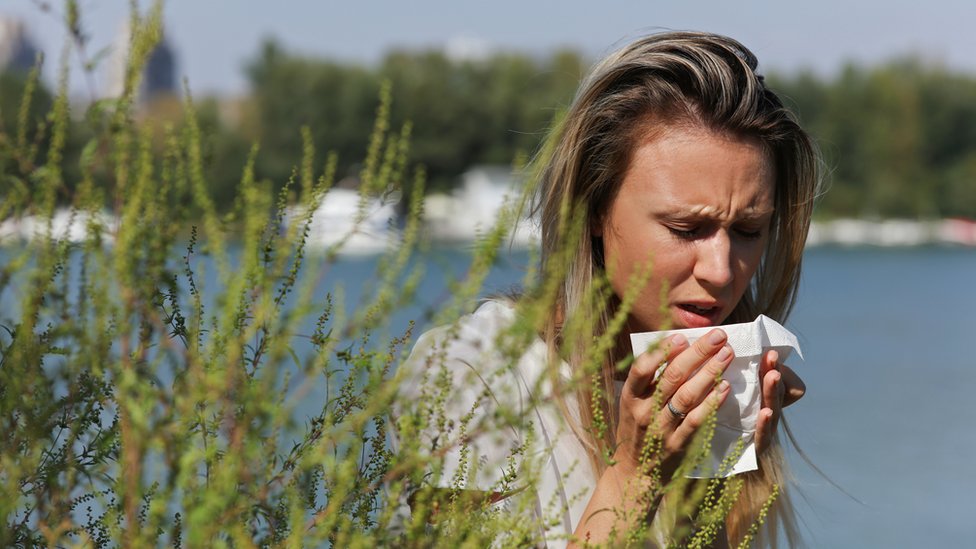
(845, 232)
(892, 232)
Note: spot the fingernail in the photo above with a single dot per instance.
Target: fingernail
(716, 336)
(725, 353)
(723, 386)
(678, 340)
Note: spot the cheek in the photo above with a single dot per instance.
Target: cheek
(748, 263)
(626, 256)
(661, 264)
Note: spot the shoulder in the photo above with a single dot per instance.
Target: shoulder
(471, 335)
(472, 354)
(466, 391)
(488, 320)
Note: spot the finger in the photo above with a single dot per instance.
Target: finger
(794, 388)
(641, 375)
(696, 417)
(772, 395)
(764, 429)
(772, 408)
(694, 390)
(770, 360)
(688, 361)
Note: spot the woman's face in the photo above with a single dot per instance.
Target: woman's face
(697, 205)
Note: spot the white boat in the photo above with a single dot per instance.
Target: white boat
(346, 220)
(473, 208)
(65, 225)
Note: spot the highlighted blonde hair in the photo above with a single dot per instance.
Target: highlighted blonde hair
(672, 79)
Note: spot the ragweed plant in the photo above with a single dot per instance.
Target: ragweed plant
(156, 373)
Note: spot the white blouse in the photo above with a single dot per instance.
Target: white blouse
(492, 392)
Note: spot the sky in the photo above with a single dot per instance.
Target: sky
(214, 39)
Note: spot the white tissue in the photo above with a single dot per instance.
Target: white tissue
(739, 413)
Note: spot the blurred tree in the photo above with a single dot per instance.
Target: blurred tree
(477, 111)
(898, 138)
(337, 102)
(463, 111)
(16, 158)
(949, 142)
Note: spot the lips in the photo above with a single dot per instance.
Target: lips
(697, 315)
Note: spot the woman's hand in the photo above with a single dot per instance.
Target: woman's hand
(780, 387)
(688, 384)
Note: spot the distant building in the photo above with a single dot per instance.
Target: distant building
(158, 76)
(115, 63)
(17, 51)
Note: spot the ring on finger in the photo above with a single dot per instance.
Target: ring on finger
(678, 414)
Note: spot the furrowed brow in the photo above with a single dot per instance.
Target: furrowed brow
(697, 213)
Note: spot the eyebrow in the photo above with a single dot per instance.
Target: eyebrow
(702, 212)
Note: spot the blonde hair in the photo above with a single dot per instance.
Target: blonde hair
(680, 78)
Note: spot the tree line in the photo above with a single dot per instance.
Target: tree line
(898, 138)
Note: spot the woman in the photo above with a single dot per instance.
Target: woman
(674, 156)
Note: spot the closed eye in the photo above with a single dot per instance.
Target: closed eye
(699, 231)
(751, 229)
(749, 234)
(687, 233)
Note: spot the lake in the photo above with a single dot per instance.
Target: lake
(887, 335)
(890, 372)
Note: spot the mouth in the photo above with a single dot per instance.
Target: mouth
(692, 315)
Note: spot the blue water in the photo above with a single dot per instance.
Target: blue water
(887, 336)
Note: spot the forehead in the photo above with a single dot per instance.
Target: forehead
(700, 172)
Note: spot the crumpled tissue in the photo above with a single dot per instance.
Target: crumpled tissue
(738, 415)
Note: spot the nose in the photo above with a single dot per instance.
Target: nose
(713, 266)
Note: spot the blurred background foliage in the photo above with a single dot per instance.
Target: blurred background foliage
(899, 138)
